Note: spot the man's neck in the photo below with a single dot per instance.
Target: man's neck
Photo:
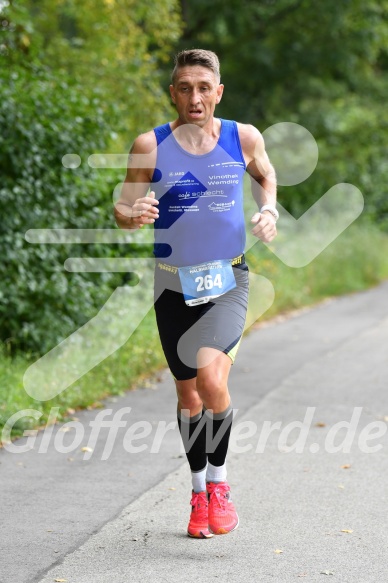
(196, 139)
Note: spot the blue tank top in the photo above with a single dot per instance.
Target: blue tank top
(201, 215)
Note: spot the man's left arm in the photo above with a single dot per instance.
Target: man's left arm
(263, 179)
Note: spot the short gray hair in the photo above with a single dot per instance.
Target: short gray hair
(192, 57)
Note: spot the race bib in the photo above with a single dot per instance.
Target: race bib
(206, 281)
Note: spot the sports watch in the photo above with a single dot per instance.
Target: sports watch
(271, 209)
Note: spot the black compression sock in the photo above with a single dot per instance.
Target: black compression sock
(218, 434)
(193, 433)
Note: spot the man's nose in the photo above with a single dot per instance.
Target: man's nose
(194, 97)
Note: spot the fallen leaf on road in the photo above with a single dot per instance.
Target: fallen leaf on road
(327, 573)
(320, 424)
(341, 486)
(172, 488)
(346, 466)
(60, 580)
(95, 405)
(278, 551)
(86, 449)
(346, 530)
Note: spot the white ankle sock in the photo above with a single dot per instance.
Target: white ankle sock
(198, 480)
(215, 473)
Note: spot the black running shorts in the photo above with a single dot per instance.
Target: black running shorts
(183, 329)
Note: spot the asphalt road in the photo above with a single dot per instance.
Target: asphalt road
(308, 468)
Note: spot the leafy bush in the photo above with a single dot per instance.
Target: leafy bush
(42, 118)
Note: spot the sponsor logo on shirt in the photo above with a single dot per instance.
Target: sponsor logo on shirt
(220, 207)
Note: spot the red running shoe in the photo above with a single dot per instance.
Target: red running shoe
(223, 517)
(198, 523)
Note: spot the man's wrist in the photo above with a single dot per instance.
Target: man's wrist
(271, 209)
(124, 220)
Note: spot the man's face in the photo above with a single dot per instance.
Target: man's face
(196, 92)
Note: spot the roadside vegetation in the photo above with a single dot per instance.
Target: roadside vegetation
(80, 79)
(357, 260)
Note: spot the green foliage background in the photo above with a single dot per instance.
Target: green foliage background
(323, 65)
(84, 77)
(73, 75)
(40, 302)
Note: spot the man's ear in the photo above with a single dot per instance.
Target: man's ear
(220, 91)
(172, 93)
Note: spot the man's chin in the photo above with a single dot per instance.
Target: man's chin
(200, 122)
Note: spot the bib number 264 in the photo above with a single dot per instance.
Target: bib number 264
(208, 282)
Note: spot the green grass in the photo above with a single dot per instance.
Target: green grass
(357, 260)
(132, 364)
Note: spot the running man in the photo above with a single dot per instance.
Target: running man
(194, 168)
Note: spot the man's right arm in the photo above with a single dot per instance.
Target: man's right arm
(134, 208)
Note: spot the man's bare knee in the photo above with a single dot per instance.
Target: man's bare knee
(188, 397)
